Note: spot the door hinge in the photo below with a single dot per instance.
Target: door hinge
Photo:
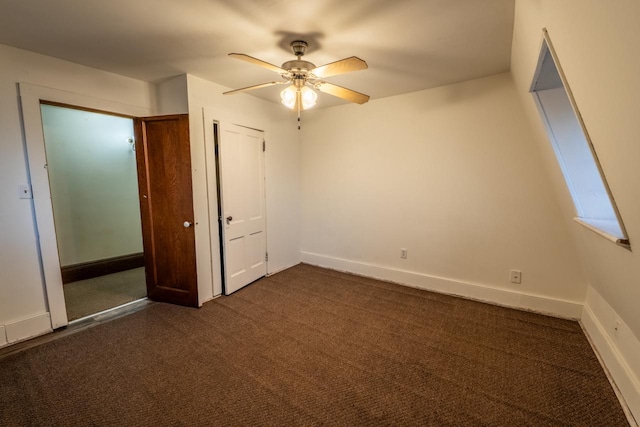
(264, 145)
(266, 256)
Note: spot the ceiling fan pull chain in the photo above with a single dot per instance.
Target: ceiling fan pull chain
(299, 104)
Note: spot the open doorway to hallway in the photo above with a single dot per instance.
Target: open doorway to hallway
(91, 165)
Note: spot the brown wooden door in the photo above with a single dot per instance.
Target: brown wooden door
(166, 206)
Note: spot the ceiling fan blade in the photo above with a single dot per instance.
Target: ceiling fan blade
(342, 92)
(340, 67)
(257, 61)
(244, 89)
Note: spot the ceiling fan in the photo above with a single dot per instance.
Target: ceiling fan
(303, 76)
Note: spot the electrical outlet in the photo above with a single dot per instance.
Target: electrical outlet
(24, 191)
(516, 276)
(403, 253)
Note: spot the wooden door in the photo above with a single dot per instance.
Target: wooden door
(166, 207)
(243, 205)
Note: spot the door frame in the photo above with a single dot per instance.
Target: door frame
(30, 97)
(211, 116)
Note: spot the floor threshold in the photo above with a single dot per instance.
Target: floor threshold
(78, 325)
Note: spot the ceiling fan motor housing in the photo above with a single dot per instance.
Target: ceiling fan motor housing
(298, 66)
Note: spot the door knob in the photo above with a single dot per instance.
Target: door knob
(229, 219)
(187, 224)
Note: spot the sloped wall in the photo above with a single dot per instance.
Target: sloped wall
(597, 45)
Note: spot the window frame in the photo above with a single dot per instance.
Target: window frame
(597, 226)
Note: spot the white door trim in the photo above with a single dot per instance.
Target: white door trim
(30, 97)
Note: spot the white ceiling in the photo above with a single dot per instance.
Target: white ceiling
(409, 44)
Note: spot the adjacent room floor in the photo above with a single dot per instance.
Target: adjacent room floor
(310, 346)
(90, 296)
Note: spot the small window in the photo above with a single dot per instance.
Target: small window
(591, 195)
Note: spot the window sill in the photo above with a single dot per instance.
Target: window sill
(608, 229)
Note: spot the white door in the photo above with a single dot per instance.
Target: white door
(242, 201)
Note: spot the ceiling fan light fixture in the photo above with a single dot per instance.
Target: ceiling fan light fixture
(308, 97)
(288, 97)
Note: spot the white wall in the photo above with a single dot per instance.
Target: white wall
(22, 296)
(597, 45)
(282, 168)
(172, 96)
(453, 175)
(94, 184)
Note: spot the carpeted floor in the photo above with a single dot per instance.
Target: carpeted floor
(91, 296)
(309, 346)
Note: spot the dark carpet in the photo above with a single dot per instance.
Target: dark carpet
(310, 346)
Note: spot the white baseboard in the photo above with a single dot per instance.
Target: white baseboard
(281, 269)
(3, 336)
(538, 304)
(26, 328)
(619, 351)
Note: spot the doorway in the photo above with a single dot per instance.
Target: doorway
(91, 166)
